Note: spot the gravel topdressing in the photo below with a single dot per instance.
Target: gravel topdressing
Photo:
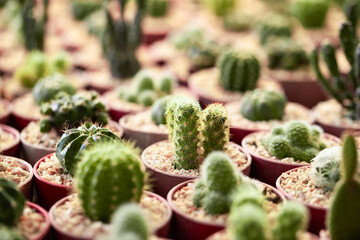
(159, 156)
(31, 223)
(292, 111)
(142, 122)
(12, 170)
(6, 139)
(34, 136)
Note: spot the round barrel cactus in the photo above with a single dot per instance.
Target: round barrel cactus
(74, 141)
(12, 202)
(262, 105)
(239, 71)
(109, 174)
(157, 8)
(273, 25)
(310, 13)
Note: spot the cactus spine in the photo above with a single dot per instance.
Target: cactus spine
(109, 174)
(310, 13)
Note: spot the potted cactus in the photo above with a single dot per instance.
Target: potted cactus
(315, 184)
(260, 110)
(9, 141)
(20, 219)
(193, 134)
(201, 207)
(286, 146)
(120, 180)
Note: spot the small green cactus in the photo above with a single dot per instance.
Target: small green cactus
(66, 110)
(215, 129)
(273, 25)
(60, 63)
(147, 97)
(239, 71)
(182, 40)
(144, 81)
(220, 7)
(109, 174)
(83, 8)
(262, 105)
(344, 214)
(166, 83)
(158, 110)
(237, 22)
(285, 53)
(47, 88)
(294, 139)
(157, 8)
(74, 141)
(10, 233)
(202, 54)
(12, 202)
(310, 13)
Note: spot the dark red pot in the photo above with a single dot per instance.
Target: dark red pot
(333, 129)
(222, 232)
(149, 38)
(21, 120)
(13, 149)
(317, 213)
(43, 234)
(268, 170)
(4, 117)
(163, 182)
(162, 231)
(186, 227)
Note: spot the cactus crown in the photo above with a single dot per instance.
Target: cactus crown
(12, 202)
(157, 8)
(74, 141)
(310, 13)
(344, 214)
(262, 105)
(109, 174)
(65, 110)
(83, 8)
(294, 139)
(239, 71)
(273, 25)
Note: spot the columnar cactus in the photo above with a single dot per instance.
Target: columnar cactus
(294, 139)
(157, 8)
(218, 180)
(273, 25)
(310, 13)
(215, 129)
(12, 202)
(344, 214)
(83, 8)
(262, 105)
(158, 110)
(47, 88)
(65, 110)
(109, 174)
(10, 233)
(239, 71)
(74, 141)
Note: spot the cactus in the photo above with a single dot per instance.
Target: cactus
(344, 214)
(158, 110)
(66, 110)
(262, 105)
(10, 233)
(237, 22)
(157, 8)
(221, 7)
(46, 89)
(239, 71)
(109, 174)
(129, 219)
(74, 141)
(215, 129)
(285, 53)
(144, 81)
(294, 139)
(182, 40)
(310, 13)
(60, 63)
(147, 98)
(273, 25)
(166, 84)
(83, 8)
(12, 202)
(218, 180)
(202, 54)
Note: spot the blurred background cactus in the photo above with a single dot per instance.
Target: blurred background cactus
(10, 233)
(83, 8)
(157, 8)
(273, 25)
(158, 110)
(310, 13)
(220, 7)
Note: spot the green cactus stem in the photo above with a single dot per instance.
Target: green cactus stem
(83, 8)
(273, 25)
(310, 13)
(157, 8)
(158, 110)
(238, 22)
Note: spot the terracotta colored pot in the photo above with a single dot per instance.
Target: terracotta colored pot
(222, 232)
(189, 228)
(13, 149)
(143, 139)
(4, 117)
(317, 213)
(163, 182)
(44, 234)
(161, 231)
(268, 170)
(21, 120)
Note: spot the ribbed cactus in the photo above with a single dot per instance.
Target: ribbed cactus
(273, 25)
(75, 141)
(10, 233)
(128, 220)
(47, 88)
(285, 53)
(262, 105)
(310, 13)
(158, 110)
(239, 71)
(345, 90)
(12, 202)
(344, 215)
(221, 7)
(65, 110)
(147, 97)
(83, 8)
(218, 181)
(237, 22)
(202, 54)
(109, 174)
(157, 8)
(166, 83)
(215, 128)
(294, 139)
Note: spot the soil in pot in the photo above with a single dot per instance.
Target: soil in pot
(8, 140)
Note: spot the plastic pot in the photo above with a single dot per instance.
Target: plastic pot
(223, 232)
(189, 228)
(161, 231)
(149, 38)
(267, 170)
(44, 233)
(163, 182)
(21, 120)
(4, 117)
(335, 129)
(317, 213)
(13, 149)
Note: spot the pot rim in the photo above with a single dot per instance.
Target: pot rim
(13, 132)
(43, 212)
